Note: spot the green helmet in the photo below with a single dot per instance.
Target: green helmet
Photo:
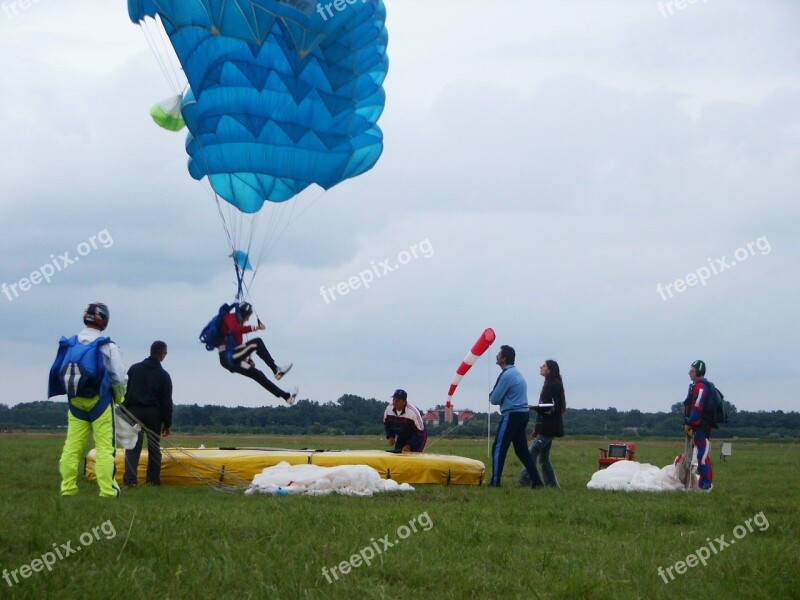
(700, 367)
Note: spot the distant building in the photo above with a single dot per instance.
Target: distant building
(431, 418)
(435, 417)
(464, 416)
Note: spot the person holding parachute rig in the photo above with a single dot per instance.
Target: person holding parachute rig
(234, 353)
(88, 368)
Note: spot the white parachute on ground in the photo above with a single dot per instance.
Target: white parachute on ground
(631, 476)
(127, 433)
(284, 479)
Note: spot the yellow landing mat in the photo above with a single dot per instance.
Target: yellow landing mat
(201, 466)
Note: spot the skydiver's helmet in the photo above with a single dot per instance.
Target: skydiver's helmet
(244, 311)
(96, 315)
(699, 367)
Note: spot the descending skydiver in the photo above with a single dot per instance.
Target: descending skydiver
(238, 359)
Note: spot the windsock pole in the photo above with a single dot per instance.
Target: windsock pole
(478, 348)
(486, 339)
(489, 414)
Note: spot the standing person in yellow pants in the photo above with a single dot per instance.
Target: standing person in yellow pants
(89, 370)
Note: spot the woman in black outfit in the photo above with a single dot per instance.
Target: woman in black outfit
(549, 424)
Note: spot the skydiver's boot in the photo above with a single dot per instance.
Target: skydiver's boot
(282, 371)
(292, 396)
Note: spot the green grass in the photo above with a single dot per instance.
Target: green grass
(484, 543)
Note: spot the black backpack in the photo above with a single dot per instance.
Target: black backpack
(714, 412)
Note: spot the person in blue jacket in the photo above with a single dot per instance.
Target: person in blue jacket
(510, 392)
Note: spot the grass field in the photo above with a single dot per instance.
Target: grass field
(469, 542)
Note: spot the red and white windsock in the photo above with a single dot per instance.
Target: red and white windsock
(482, 345)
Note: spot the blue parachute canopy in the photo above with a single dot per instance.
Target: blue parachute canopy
(280, 97)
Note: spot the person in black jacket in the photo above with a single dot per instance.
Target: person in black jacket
(549, 423)
(149, 399)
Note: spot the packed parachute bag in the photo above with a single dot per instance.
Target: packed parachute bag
(714, 412)
(212, 335)
(79, 369)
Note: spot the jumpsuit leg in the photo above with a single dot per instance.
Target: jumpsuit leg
(74, 447)
(104, 431)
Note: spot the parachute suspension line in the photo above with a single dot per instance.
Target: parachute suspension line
(225, 226)
(241, 233)
(222, 216)
(162, 56)
(158, 42)
(175, 69)
(304, 211)
(157, 39)
(232, 233)
(453, 428)
(276, 230)
(236, 483)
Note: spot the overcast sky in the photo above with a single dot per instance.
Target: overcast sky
(549, 163)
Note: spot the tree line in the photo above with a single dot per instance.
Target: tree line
(354, 415)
